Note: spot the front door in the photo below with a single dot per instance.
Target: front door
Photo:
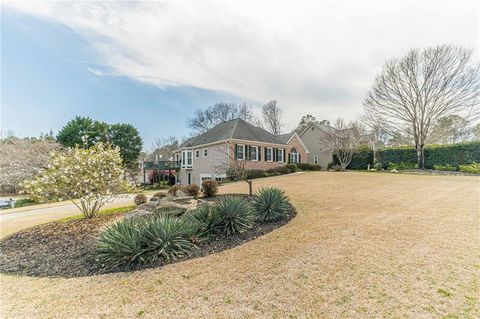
(189, 178)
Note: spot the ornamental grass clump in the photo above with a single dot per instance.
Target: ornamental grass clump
(120, 243)
(235, 215)
(139, 241)
(204, 220)
(270, 204)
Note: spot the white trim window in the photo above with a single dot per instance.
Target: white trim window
(240, 154)
(197, 153)
(315, 159)
(187, 160)
(280, 155)
(294, 155)
(205, 152)
(254, 153)
(269, 154)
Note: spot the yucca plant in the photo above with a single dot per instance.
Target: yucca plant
(235, 215)
(166, 237)
(204, 220)
(270, 204)
(120, 243)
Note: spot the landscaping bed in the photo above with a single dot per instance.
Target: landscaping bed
(431, 172)
(68, 248)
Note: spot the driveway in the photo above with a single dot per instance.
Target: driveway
(363, 245)
(13, 220)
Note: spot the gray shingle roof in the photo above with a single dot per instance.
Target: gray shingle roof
(236, 129)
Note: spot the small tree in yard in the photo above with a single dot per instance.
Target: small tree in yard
(414, 93)
(89, 178)
(344, 139)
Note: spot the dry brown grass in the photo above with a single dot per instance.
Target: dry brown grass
(362, 246)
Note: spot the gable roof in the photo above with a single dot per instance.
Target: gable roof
(235, 129)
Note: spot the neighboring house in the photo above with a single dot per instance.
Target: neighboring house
(153, 168)
(313, 137)
(208, 155)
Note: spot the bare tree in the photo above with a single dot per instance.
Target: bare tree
(414, 92)
(272, 117)
(451, 129)
(205, 119)
(377, 132)
(344, 139)
(22, 158)
(165, 147)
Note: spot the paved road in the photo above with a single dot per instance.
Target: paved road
(13, 220)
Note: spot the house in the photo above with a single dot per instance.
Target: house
(208, 155)
(313, 137)
(155, 168)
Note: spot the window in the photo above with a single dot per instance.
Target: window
(197, 153)
(205, 152)
(280, 155)
(315, 159)
(254, 153)
(294, 155)
(268, 154)
(177, 157)
(187, 158)
(240, 152)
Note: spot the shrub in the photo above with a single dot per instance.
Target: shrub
(120, 243)
(309, 167)
(446, 167)
(137, 241)
(192, 190)
(330, 165)
(140, 199)
(204, 221)
(337, 168)
(209, 188)
(270, 204)
(292, 168)
(378, 166)
(255, 173)
(277, 171)
(401, 166)
(235, 215)
(470, 168)
(159, 195)
(173, 190)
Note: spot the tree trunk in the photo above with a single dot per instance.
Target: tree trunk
(250, 187)
(421, 156)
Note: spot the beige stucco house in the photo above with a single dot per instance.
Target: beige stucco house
(208, 155)
(320, 151)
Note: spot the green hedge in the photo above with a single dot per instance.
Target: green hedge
(452, 154)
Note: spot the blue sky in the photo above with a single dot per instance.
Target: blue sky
(46, 81)
(152, 63)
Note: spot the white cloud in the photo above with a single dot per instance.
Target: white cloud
(316, 58)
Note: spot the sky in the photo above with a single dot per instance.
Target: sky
(152, 64)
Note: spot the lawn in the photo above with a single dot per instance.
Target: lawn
(362, 245)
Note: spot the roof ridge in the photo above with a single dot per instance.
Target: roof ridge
(234, 128)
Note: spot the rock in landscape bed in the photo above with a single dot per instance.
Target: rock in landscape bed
(67, 249)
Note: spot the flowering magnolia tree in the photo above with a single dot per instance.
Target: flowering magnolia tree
(90, 178)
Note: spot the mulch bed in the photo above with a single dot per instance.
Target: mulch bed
(67, 249)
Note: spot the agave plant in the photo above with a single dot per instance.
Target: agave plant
(120, 243)
(235, 215)
(270, 204)
(204, 220)
(166, 237)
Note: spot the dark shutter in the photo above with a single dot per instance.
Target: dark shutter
(247, 150)
(235, 151)
(289, 157)
(259, 153)
(283, 155)
(299, 158)
(265, 154)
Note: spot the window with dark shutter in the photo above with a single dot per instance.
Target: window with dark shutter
(235, 152)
